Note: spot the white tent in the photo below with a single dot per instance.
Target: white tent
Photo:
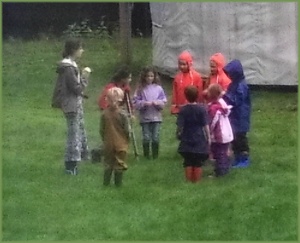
(264, 36)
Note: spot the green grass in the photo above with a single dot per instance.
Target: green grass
(40, 202)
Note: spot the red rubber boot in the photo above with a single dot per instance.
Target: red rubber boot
(197, 174)
(189, 173)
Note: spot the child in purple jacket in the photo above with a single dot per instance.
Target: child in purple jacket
(149, 99)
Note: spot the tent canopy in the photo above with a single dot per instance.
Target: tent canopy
(262, 35)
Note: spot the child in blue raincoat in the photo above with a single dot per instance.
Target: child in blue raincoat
(238, 95)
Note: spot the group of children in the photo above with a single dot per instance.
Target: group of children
(149, 99)
(211, 116)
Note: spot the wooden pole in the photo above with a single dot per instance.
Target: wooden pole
(125, 32)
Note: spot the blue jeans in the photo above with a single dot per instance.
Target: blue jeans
(150, 132)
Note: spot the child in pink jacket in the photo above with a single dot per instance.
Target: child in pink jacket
(220, 129)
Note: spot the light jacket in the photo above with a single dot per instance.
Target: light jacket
(149, 93)
(219, 124)
(68, 91)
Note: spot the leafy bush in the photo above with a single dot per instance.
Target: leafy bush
(86, 30)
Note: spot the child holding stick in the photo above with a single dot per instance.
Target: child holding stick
(120, 79)
(114, 130)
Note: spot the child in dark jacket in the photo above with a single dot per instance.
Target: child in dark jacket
(149, 99)
(238, 95)
(193, 133)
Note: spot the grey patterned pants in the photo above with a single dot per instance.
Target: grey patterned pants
(76, 146)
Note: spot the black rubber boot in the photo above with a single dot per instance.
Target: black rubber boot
(118, 178)
(155, 148)
(107, 176)
(96, 155)
(71, 167)
(146, 149)
(85, 156)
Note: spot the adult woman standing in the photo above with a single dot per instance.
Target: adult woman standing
(68, 96)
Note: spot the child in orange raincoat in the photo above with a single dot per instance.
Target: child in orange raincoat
(217, 75)
(186, 76)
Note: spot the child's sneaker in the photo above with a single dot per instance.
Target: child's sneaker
(243, 163)
(237, 160)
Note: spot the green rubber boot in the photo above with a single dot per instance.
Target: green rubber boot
(107, 177)
(118, 178)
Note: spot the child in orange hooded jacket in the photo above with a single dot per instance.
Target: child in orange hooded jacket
(186, 76)
(217, 75)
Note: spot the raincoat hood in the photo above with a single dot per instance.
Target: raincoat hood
(219, 77)
(225, 109)
(186, 56)
(221, 106)
(219, 59)
(61, 65)
(234, 70)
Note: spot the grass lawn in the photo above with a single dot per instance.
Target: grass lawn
(40, 202)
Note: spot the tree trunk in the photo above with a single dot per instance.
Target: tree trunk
(125, 32)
